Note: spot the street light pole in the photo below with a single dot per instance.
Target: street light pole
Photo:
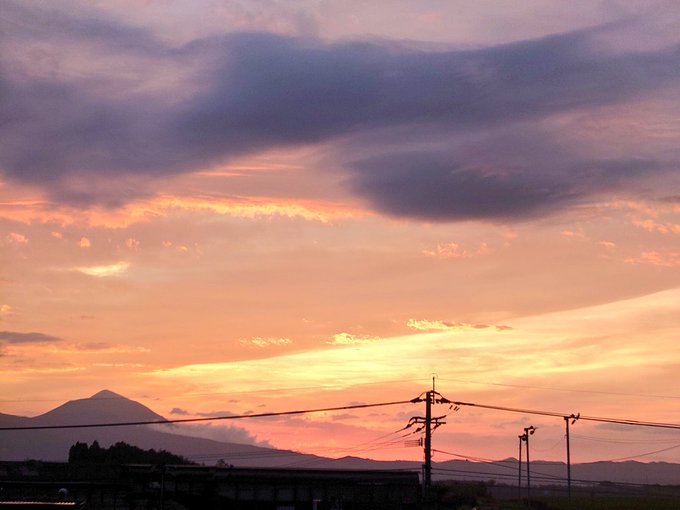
(528, 431)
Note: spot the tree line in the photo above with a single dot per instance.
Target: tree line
(121, 453)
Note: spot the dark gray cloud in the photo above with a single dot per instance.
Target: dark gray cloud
(273, 90)
(217, 414)
(442, 187)
(257, 91)
(14, 337)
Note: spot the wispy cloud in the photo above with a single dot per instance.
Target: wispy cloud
(14, 238)
(101, 348)
(164, 205)
(262, 342)
(609, 245)
(118, 365)
(537, 348)
(223, 433)
(455, 251)
(655, 258)
(654, 226)
(261, 207)
(438, 325)
(350, 339)
(104, 271)
(14, 337)
(36, 370)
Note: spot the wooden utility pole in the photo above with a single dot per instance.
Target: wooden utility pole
(427, 482)
(573, 419)
(429, 424)
(519, 468)
(528, 431)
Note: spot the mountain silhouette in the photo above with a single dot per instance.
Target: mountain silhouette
(103, 407)
(109, 407)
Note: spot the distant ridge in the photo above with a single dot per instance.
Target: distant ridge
(109, 407)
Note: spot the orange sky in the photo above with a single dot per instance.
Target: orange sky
(339, 204)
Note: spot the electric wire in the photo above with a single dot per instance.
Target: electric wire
(212, 418)
(228, 393)
(622, 441)
(555, 445)
(376, 443)
(619, 421)
(550, 388)
(501, 463)
(643, 454)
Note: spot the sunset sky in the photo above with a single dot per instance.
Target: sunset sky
(230, 207)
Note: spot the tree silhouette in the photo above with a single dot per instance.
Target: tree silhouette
(121, 453)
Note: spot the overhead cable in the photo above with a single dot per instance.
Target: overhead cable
(212, 418)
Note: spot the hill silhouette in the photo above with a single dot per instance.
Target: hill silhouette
(102, 407)
(109, 407)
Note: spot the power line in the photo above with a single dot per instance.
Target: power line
(505, 463)
(542, 476)
(550, 388)
(232, 392)
(644, 454)
(619, 421)
(212, 418)
(625, 441)
(442, 400)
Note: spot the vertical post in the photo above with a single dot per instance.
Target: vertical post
(519, 470)
(573, 418)
(528, 431)
(162, 492)
(528, 473)
(428, 441)
(566, 422)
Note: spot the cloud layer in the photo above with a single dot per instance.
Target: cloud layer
(240, 94)
(14, 337)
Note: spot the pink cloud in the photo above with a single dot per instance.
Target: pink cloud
(655, 258)
(454, 250)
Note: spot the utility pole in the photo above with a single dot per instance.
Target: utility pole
(430, 423)
(528, 431)
(519, 470)
(429, 397)
(573, 419)
(522, 438)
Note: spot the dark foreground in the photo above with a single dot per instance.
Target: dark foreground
(39, 485)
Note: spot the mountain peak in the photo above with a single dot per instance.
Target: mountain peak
(104, 394)
(102, 407)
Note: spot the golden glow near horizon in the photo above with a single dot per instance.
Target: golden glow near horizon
(102, 271)
(182, 229)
